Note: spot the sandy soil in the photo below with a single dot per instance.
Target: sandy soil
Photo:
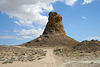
(52, 61)
(48, 61)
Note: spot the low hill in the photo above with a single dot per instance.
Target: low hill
(88, 46)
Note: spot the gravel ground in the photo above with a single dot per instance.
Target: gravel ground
(9, 54)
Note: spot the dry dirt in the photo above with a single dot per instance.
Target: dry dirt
(51, 60)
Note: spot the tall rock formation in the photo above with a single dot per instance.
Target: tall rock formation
(54, 25)
(53, 35)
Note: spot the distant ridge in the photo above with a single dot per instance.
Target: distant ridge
(88, 46)
(53, 35)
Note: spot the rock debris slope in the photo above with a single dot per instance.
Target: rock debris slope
(53, 35)
(88, 46)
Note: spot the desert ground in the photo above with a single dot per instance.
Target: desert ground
(46, 57)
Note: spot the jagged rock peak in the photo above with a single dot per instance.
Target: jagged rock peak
(54, 25)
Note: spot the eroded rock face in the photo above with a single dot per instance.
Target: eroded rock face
(53, 35)
(54, 25)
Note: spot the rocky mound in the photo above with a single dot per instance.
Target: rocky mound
(53, 35)
(88, 46)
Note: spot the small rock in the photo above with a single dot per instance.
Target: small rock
(8, 61)
(43, 54)
(92, 62)
(2, 59)
(20, 58)
(16, 53)
(30, 58)
(39, 58)
(38, 40)
(33, 53)
(22, 53)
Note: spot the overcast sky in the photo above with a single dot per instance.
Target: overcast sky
(24, 20)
